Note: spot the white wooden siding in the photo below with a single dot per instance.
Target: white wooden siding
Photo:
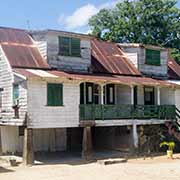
(167, 96)
(177, 98)
(6, 81)
(65, 62)
(42, 47)
(142, 66)
(43, 116)
(123, 94)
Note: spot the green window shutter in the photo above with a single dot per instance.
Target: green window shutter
(153, 57)
(75, 47)
(64, 46)
(54, 94)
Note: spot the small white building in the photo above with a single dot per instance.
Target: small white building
(56, 86)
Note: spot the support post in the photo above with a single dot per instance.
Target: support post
(87, 144)
(134, 136)
(102, 94)
(84, 93)
(28, 153)
(0, 143)
(158, 96)
(132, 95)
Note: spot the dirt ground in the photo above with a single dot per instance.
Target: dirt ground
(156, 168)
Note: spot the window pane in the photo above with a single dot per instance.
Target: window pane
(153, 57)
(64, 46)
(15, 93)
(75, 47)
(89, 94)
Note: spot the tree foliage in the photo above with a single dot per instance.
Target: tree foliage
(155, 22)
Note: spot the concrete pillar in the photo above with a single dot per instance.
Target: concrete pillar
(0, 143)
(28, 153)
(135, 136)
(87, 144)
(132, 95)
(158, 96)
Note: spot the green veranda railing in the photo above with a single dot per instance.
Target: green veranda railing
(111, 112)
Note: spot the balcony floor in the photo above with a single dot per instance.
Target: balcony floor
(126, 122)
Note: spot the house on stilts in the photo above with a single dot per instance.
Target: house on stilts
(66, 91)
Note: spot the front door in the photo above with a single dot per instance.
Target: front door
(149, 98)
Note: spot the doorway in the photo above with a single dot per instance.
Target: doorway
(149, 96)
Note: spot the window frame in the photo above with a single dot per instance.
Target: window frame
(15, 94)
(55, 103)
(71, 43)
(152, 60)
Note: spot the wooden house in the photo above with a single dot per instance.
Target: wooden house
(66, 91)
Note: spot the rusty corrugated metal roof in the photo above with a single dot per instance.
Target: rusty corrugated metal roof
(117, 79)
(11, 35)
(108, 58)
(24, 56)
(173, 69)
(20, 49)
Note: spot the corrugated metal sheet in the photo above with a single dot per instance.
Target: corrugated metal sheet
(15, 36)
(24, 56)
(20, 50)
(108, 58)
(173, 69)
(126, 80)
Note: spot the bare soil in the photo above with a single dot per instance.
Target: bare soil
(156, 168)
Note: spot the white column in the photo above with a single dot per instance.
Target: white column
(132, 95)
(158, 96)
(102, 94)
(135, 135)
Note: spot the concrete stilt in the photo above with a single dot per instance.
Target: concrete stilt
(0, 143)
(134, 139)
(87, 144)
(28, 153)
(135, 136)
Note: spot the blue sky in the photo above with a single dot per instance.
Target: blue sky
(55, 14)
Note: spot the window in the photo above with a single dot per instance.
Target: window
(69, 46)
(55, 95)
(89, 93)
(15, 94)
(110, 93)
(21, 130)
(153, 57)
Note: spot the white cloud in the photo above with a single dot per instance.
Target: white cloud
(80, 17)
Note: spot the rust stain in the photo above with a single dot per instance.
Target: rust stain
(108, 58)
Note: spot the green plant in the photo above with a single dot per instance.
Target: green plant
(170, 145)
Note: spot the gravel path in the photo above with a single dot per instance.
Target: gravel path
(137, 169)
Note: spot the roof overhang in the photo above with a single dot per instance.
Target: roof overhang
(96, 78)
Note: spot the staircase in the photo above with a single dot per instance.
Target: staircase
(174, 126)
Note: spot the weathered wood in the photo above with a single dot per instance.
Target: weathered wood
(0, 143)
(87, 144)
(68, 63)
(28, 153)
(138, 57)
